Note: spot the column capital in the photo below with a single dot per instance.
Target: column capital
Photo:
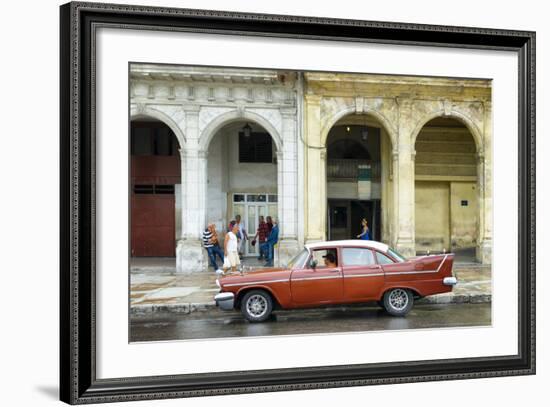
(313, 99)
(395, 155)
(192, 153)
(480, 157)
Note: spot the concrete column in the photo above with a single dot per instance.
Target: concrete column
(287, 188)
(484, 249)
(190, 256)
(404, 180)
(315, 199)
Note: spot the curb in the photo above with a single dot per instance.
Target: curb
(189, 308)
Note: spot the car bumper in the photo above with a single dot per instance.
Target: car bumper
(450, 281)
(225, 301)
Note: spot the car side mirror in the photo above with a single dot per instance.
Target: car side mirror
(312, 263)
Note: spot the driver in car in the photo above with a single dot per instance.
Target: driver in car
(330, 260)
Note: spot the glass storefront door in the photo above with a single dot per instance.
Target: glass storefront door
(251, 207)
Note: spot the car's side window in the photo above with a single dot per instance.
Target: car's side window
(325, 257)
(383, 259)
(353, 256)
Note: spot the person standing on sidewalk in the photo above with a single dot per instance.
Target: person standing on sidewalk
(231, 248)
(271, 242)
(261, 235)
(242, 236)
(211, 244)
(269, 222)
(365, 235)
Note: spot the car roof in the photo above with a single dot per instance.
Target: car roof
(371, 244)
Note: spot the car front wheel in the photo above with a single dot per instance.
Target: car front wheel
(256, 305)
(398, 301)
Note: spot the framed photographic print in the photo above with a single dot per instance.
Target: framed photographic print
(255, 203)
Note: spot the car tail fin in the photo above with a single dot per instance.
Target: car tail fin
(447, 266)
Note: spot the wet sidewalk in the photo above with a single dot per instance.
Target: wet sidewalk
(155, 287)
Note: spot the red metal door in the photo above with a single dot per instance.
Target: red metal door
(153, 225)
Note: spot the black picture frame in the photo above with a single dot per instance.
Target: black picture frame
(78, 382)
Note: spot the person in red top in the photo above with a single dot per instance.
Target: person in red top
(261, 234)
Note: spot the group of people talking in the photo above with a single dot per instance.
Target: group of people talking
(267, 236)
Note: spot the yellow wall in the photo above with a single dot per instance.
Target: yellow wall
(432, 216)
(464, 223)
(427, 151)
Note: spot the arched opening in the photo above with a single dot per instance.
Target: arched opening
(155, 182)
(242, 178)
(357, 173)
(446, 189)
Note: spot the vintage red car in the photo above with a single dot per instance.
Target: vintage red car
(338, 272)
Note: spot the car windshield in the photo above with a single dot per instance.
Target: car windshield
(298, 260)
(399, 257)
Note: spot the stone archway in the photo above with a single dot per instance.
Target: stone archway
(234, 116)
(141, 111)
(243, 177)
(360, 186)
(155, 180)
(448, 187)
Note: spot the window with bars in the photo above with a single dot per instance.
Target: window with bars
(151, 138)
(153, 189)
(256, 148)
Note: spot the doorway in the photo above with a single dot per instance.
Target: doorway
(250, 207)
(344, 218)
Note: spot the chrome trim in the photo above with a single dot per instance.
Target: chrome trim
(316, 278)
(450, 281)
(225, 301)
(391, 273)
(257, 282)
(442, 262)
(364, 275)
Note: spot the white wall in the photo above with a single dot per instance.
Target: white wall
(29, 343)
(226, 176)
(249, 177)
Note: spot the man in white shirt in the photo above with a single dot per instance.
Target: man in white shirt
(231, 248)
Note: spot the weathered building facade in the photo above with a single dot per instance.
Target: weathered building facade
(435, 144)
(320, 151)
(210, 111)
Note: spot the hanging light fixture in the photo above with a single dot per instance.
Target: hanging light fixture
(247, 130)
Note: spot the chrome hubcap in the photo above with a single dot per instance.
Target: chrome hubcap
(256, 306)
(399, 299)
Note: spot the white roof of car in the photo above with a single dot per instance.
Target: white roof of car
(357, 243)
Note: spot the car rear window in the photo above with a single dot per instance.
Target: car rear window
(357, 256)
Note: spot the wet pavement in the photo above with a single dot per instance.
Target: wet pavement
(220, 324)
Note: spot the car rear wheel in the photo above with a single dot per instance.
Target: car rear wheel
(256, 305)
(398, 301)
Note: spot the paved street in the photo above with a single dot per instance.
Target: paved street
(219, 324)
